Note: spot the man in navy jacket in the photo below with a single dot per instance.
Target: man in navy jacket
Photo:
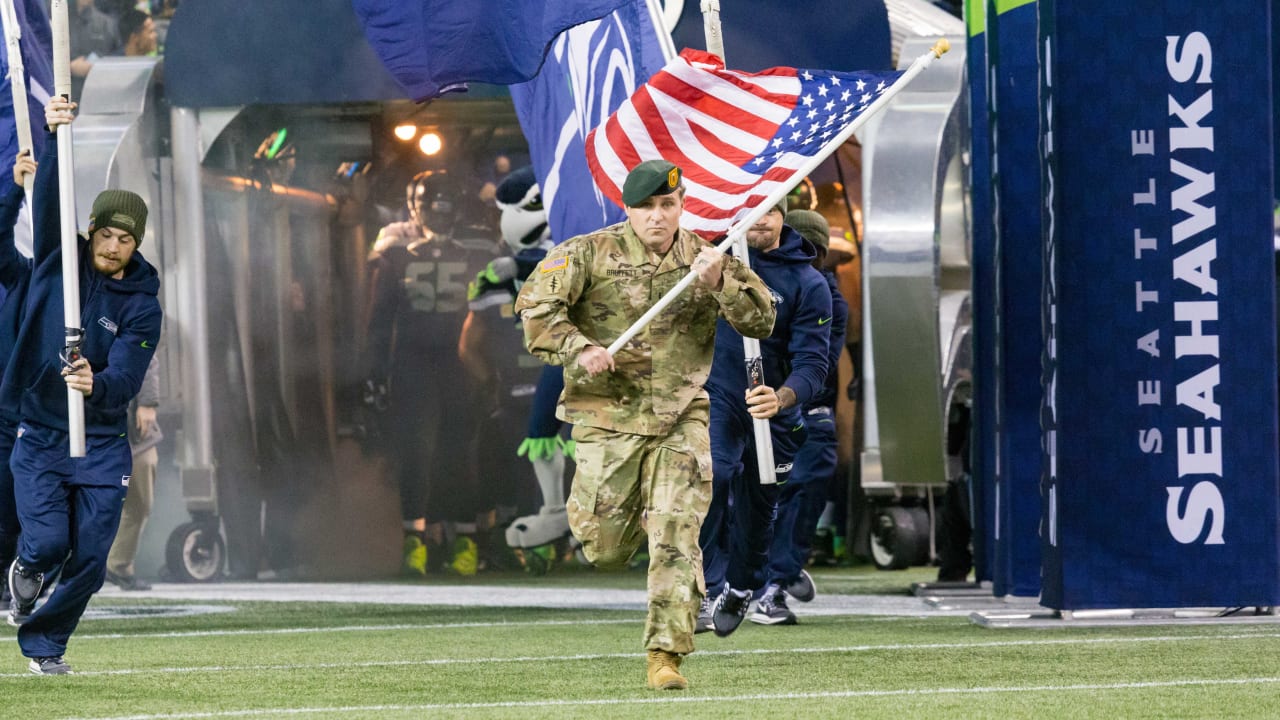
(801, 500)
(737, 530)
(72, 505)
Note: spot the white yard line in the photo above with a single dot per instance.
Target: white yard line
(347, 628)
(674, 699)
(501, 596)
(890, 647)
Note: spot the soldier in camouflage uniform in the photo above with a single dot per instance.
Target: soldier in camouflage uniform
(640, 417)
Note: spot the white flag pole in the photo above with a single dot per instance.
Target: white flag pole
(17, 81)
(750, 346)
(67, 205)
(711, 28)
(740, 227)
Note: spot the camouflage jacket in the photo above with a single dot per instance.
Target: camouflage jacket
(591, 288)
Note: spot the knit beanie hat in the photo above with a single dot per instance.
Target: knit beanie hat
(119, 209)
(812, 226)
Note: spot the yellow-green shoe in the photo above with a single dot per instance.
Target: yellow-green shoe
(663, 672)
(466, 556)
(538, 560)
(415, 557)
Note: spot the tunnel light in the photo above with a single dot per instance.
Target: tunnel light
(406, 132)
(430, 143)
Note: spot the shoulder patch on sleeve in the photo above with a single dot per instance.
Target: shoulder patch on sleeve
(559, 263)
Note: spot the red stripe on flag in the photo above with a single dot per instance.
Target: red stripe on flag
(786, 100)
(619, 139)
(730, 152)
(602, 179)
(698, 100)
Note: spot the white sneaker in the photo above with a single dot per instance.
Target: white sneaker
(771, 609)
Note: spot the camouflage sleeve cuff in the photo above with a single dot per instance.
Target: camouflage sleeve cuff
(731, 289)
(573, 346)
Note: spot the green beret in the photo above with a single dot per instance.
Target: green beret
(119, 209)
(812, 226)
(649, 178)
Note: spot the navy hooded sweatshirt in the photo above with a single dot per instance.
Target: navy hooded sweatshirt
(15, 278)
(796, 354)
(120, 317)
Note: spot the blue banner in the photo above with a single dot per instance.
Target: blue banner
(1160, 478)
(1015, 168)
(37, 60)
(220, 53)
(590, 70)
(433, 46)
(982, 236)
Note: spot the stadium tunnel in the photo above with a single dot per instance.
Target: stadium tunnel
(268, 184)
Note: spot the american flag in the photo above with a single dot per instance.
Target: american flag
(736, 136)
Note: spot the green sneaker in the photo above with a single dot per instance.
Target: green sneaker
(538, 560)
(466, 556)
(415, 557)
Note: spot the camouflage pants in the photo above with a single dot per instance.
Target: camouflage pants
(628, 486)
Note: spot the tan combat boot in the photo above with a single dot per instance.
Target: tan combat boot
(664, 671)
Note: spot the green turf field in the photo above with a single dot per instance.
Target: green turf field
(348, 660)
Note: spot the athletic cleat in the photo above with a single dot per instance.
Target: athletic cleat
(771, 608)
(802, 588)
(25, 587)
(49, 666)
(466, 556)
(415, 557)
(730, 608)
(705, 610)
(538, 561)
(664, 671)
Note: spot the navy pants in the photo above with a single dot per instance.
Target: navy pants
(737, 531)
(70, 509)
(801, 500)
(9, 524)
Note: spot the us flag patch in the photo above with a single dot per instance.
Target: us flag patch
(559, 263)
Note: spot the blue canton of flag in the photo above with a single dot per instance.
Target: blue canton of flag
(828, 102)
(590, 71)
(35, 40)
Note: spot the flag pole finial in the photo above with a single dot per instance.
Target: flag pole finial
(941, 47)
